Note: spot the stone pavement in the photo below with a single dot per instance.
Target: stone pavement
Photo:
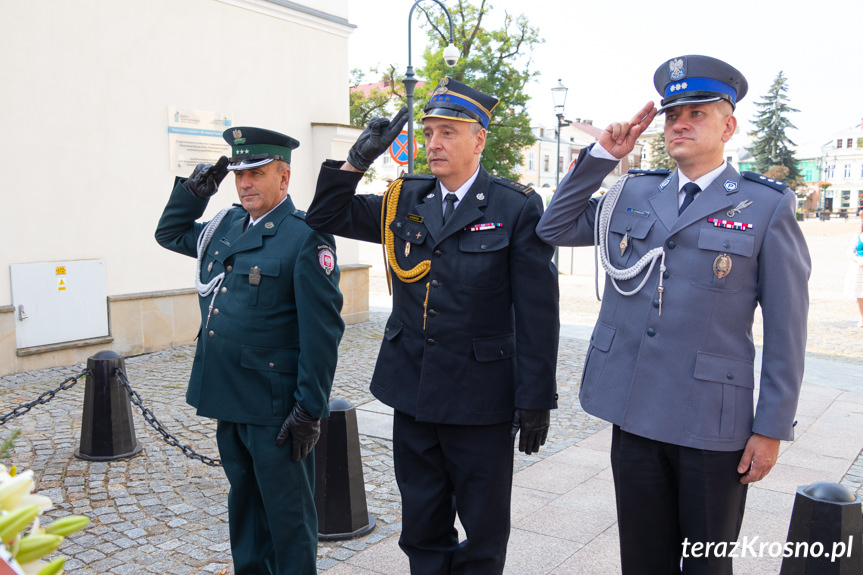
(159, 512)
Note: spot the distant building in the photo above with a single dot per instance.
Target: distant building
(542, 165)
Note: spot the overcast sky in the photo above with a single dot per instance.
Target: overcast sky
(606, 52)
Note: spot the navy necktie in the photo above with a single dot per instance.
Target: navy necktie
(690, 190)
(450, 200)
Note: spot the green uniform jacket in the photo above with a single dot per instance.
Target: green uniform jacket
(269, 345)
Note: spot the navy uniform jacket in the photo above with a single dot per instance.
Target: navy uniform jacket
(486, 342)
(269, 345)
(687, 377)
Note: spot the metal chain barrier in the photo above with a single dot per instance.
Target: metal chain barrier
(155, 424)
(68, 383)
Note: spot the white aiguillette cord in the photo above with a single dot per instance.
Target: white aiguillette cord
(604, 209)
(205, 289)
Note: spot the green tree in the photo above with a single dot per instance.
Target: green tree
(366, 104)
(493, 61)
(659, 158)
(772, 147)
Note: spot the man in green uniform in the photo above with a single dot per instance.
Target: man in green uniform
(267, 347)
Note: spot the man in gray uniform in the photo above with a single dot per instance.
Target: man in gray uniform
(688, 256)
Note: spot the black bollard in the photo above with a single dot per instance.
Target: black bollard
(825, 536)
(340, 494)
(107, 429)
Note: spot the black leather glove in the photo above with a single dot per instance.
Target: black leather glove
(375, 139)
(205, 179)
(304, 431)
(534, 428)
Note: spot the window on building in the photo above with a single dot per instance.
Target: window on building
(860, 142)
(846, 198)
(387, 159)
(560, 163)
(847, 171)
(849, 143)
(828, 173)
(531, 161)
(545, 161)
(729, 159)
(839, 143)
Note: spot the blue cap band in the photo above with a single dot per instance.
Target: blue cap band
(451, 98)
(700, 85)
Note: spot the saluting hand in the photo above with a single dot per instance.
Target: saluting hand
(205, 179)
(619, 138)
(375, 139)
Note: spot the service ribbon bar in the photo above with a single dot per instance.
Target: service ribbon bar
(731, 225)
(482, 227)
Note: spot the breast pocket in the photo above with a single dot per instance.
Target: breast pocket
(260, 276)
(626, 238)
(408, 239)
(723, 259)
(483, 258)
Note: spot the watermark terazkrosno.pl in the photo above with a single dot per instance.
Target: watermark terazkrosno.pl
(753, 547)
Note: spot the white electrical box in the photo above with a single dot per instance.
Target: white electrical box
(59, 302)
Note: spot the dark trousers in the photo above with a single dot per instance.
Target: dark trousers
(271, 507)
(668, 494)
(444, 469)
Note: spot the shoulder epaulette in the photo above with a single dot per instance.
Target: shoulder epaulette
(514, 185)
(769, 182)
(299, 214)
(656, 172)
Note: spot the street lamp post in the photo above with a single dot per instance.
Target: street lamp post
(558, 95)
(450, 56)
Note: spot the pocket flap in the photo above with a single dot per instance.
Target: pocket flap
(602, 336)
(409, 230)
(494, 348)
(636, 226)
(268, 266)
(725, 240)
(393, 328)
(485, 241)
(721, 369)
(269, 359)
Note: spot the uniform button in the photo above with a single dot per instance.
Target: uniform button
(729, 375)
(651, 332)
(666, 275)
(272, 365)
(431, 341)
(216, 311)
(482, 246)
(224, 290)
(726, 245)
(671, 244)
(229, 269)
(629, 228)
(215, 253)
(438, 253)
(432, 313)
(434, 283)
(212, 333)
(386, 330)
(656, 303)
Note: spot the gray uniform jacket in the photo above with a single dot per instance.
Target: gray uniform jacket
(686, 376)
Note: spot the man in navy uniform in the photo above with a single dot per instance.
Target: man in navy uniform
(469, 352)
(688, 256)
(268, 344)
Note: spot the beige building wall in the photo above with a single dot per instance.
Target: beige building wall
(87, 88)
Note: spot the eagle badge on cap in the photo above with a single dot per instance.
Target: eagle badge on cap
(238, 137)
(441, 87)
(677, 68)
